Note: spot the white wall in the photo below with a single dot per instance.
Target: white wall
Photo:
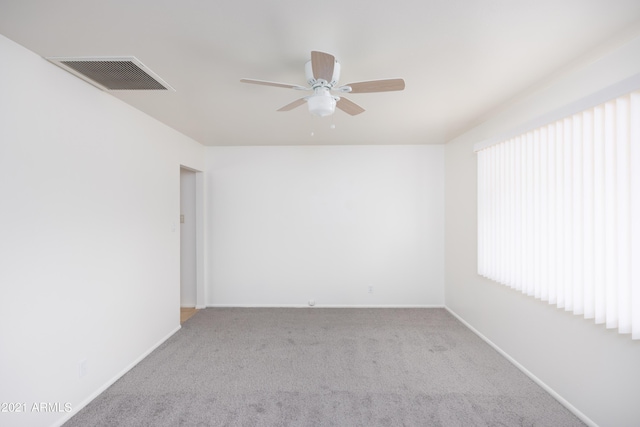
(89, 248)
(594, 369)
(290, 224)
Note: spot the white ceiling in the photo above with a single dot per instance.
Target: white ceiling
(461, 59)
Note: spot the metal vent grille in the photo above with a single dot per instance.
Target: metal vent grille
(122, 73)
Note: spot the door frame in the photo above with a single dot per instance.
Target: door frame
(199, 210)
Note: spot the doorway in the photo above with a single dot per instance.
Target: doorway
(188, 240)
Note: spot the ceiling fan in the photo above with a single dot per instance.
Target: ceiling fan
(323, 73)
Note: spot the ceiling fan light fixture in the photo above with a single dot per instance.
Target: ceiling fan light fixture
(321, 105)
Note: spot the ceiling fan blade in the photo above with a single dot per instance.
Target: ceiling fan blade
(276, 84)
(349, 107)
(322, 65)
(377, 86)
(294, 104)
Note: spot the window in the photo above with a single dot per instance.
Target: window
(559, 213)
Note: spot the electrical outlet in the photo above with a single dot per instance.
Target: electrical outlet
(370, 289)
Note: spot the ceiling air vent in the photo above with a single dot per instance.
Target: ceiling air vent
(113, 73)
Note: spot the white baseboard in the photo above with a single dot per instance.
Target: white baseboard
(109, 383)
(322, 306)
(524, 370)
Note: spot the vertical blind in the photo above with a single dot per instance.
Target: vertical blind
(559, 213)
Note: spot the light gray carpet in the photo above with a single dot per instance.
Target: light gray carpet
(324, 367)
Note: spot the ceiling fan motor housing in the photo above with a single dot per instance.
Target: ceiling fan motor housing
(308, 71)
